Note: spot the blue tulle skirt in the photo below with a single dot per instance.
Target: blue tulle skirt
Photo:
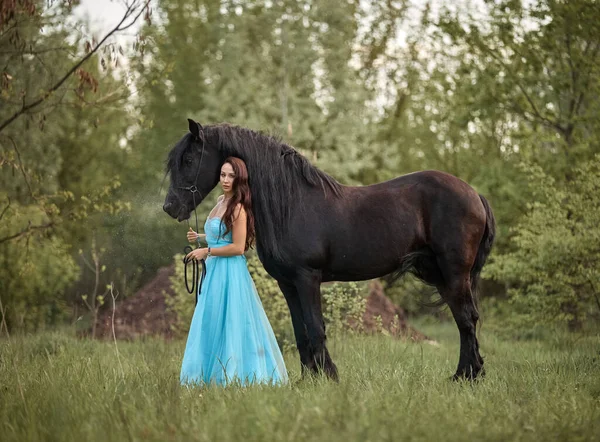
(230, 338)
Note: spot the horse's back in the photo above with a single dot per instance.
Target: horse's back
(422, 191)
(431, 178)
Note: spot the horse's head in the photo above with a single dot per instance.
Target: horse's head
(193, 164)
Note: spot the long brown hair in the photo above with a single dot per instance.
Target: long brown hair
(241, 195)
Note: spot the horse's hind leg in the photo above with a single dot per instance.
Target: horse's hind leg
(456, 291)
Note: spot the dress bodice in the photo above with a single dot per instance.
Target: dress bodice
(214, 230)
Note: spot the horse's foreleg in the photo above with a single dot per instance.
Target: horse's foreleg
(308, 286)
(302, 343)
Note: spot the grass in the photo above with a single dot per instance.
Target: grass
(56, 387)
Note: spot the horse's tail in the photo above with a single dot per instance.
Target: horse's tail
(485, 246)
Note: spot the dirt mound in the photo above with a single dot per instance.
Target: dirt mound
(382, 314)
(145, 313)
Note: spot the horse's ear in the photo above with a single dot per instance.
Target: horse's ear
(195, 128)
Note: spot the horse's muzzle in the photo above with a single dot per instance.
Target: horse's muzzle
(175, 211)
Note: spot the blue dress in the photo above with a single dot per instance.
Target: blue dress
(230, 338)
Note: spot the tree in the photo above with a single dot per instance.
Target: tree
(53, 98)
(540, 65)
(12, 29)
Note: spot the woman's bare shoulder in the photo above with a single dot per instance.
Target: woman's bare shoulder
(239, 210)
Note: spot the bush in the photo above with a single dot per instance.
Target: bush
(344, 305)
(181, 304)
(36, 271)
(554, 268)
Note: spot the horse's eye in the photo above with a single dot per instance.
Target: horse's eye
(188, 160)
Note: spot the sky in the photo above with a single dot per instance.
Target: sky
(104, 15)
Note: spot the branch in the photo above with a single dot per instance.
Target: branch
(597, 300)
(5, 209)
(7, 30)
(36, 52)
(50, 105)
(25, 232)
(21, 165)
(128, 13)
(571, 67)
(111, 97)
(573, 102)
(87, 304)
(594, 291)
(587, 82)
(87, 263)
(537, 113)
(112, 324)
(3, 321)
(43, 63)
(534, 108)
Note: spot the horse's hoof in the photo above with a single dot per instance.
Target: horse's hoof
(331, 372)
(471, 374)
(333, 376)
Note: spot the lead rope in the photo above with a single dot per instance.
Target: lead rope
(197, 277)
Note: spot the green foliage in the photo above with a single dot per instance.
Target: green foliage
(59, 162)
(344, 306)
(181, 304)
(535, 66)
(552, 273)
(280, 67)
(367, 90)
(343, 303)
(57, 387)
(35, 272)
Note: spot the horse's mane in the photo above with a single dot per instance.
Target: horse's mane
(279, 178)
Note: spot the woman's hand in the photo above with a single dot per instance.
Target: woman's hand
(197, 254)
(193, 236)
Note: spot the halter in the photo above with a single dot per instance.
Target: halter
(196, 278)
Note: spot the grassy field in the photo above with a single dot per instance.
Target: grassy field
(55, 387)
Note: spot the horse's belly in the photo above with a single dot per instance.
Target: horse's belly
(359, 272)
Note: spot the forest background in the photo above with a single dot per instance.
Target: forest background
(503, 94)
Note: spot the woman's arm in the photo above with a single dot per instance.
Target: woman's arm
(193, 236)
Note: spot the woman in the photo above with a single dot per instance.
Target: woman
(230, 338)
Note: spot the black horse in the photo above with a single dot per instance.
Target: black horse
(311, 229)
